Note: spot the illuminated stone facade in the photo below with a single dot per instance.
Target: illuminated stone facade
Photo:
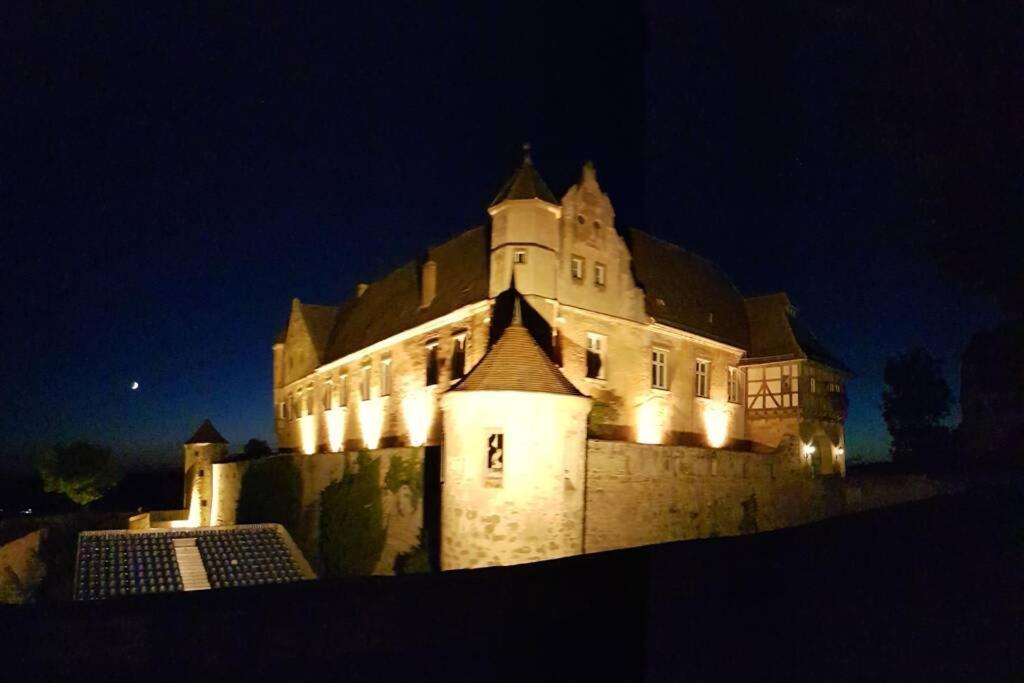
(657, 346)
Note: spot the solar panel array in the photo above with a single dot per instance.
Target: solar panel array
(118, 563)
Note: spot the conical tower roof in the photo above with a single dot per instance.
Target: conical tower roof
(516, 363)
(207, 433)
(525, 183)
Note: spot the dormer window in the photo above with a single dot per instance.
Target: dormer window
(519, 256)
(577, 268)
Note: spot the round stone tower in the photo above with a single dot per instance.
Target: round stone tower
(202, 450)
(515, 436)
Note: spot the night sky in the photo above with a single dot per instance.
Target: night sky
(171, 177)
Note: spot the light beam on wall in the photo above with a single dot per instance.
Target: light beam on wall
(371, 420)
(716, 424)
(307, 432)
(215, 502)
(336, 429)
(650, 420)
(418, 409)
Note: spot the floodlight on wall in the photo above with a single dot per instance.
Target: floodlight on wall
(371, 420)
(808, 450)
(418, 409)
(307, 433)
(336, 429)
(716, 424)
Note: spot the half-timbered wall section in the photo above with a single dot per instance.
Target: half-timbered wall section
(771, 387)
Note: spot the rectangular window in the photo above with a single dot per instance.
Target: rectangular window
(659, 369)
(495, 455)
(599, 272)
(814, 387)
(519, 256)
(458, 356)
(385, 376)
(342, 387)
(597, 347)
(734, 385)
(364, 381)
(282, 410)
(577, 267)
(432, 363)
(326, 395)
(701, 377)
(309, 400)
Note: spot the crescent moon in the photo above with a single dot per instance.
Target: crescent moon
(135, 385)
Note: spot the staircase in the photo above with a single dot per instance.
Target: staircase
(190, 565)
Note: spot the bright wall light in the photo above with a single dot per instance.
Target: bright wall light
(808, 450)
(336, 429)
(194, 511)
(418, 409)
(650, 421)
(716, 424)
(215, 488)
(371, 420)
(307, 432)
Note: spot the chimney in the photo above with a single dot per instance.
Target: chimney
(360, 288)
(428, 284)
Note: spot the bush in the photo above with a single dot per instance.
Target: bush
(351, 520)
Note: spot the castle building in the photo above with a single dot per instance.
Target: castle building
(662, 343)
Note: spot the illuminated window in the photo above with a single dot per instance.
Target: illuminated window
(577, 268)
(495, 455)
(599, 272)
(659, 369)
(432, 363)
(458, 356)
(385, 376)
(519, 256)
(814, 387)
(282, 410)
(597, 346)
(364, 381)
(734, 385)
(701, 377)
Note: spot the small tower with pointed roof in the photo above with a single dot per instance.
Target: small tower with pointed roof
(524, 233)
(515, 434)
(204, 448)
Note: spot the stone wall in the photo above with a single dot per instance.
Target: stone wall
(401, 517)
(641, 494)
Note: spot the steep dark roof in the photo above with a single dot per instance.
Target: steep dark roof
(320, 321)
(778, 333)
(686, 291)
(392, 304)
(525, 183)
(516, 363)
(207, 433)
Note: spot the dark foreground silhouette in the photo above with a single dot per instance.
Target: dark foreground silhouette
(922, 591)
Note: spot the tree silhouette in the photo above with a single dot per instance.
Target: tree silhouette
(915, 400)
(81, 471)
(255, 448)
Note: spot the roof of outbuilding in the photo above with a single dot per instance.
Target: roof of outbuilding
(516, 363)
(778, 333)
(686, 291)
(392, 304)
(525, 183)
(206, 433)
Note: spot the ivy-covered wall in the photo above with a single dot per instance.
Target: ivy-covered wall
(352, 514)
